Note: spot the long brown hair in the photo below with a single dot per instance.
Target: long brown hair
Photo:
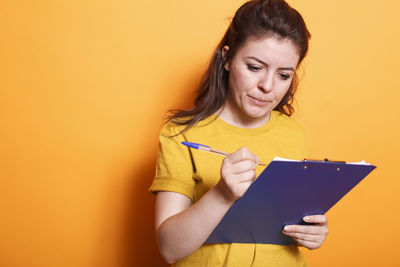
(256, 18)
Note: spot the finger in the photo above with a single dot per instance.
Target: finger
(243, 166)
(305, 237)
(318, 219)
(241, 154)
(306, 229)
(308, 244)
(248, 176)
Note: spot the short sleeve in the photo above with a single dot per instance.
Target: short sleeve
(307, 148)
(174, 169)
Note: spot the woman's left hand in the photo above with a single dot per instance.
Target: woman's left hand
(309, 236)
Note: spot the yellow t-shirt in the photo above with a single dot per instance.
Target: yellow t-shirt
(193, 172)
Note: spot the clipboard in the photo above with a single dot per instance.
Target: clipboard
(283, 194)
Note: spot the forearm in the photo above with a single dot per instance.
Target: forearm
(185, 232)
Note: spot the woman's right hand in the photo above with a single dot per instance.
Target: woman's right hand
(238, 172)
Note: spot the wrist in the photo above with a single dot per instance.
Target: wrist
(221, 195)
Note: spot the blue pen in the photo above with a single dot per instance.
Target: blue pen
(212, 150)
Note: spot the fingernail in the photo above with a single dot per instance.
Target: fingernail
(306, 218)
(287, 228)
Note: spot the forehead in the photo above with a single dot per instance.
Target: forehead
(272, 50)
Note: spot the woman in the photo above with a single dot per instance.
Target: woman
(243, 105)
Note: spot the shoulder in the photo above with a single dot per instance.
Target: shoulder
(289, 123)
(291, 129)
(171, 129)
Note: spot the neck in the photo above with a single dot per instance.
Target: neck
(238, 119)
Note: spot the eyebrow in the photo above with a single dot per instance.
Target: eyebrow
(265, 64)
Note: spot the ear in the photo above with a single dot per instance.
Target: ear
(224, 51)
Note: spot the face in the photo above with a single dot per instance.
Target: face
(260, 74)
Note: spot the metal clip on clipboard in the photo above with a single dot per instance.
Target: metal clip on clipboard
(324, 160)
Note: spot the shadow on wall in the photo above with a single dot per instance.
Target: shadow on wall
(138, 243)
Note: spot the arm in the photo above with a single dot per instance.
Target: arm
(309, 236)
(182, 228)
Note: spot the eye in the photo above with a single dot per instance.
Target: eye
(253, 68)
(284, 76)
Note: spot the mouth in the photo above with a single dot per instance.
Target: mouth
(258, 101)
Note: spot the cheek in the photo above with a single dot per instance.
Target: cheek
(280, 93)
(240, 80)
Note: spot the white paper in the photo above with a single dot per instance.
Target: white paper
(356, 163)
(283, 159)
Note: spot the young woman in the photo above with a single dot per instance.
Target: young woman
(243, 106)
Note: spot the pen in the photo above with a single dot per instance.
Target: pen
(212, 150)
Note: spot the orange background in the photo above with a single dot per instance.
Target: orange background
(84, 86)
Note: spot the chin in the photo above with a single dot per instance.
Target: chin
(258, 115)
(256, 112)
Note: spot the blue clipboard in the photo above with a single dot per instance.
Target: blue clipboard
(283, 194)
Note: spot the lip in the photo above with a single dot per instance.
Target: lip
(258, 101)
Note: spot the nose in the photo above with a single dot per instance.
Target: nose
(266, 83)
